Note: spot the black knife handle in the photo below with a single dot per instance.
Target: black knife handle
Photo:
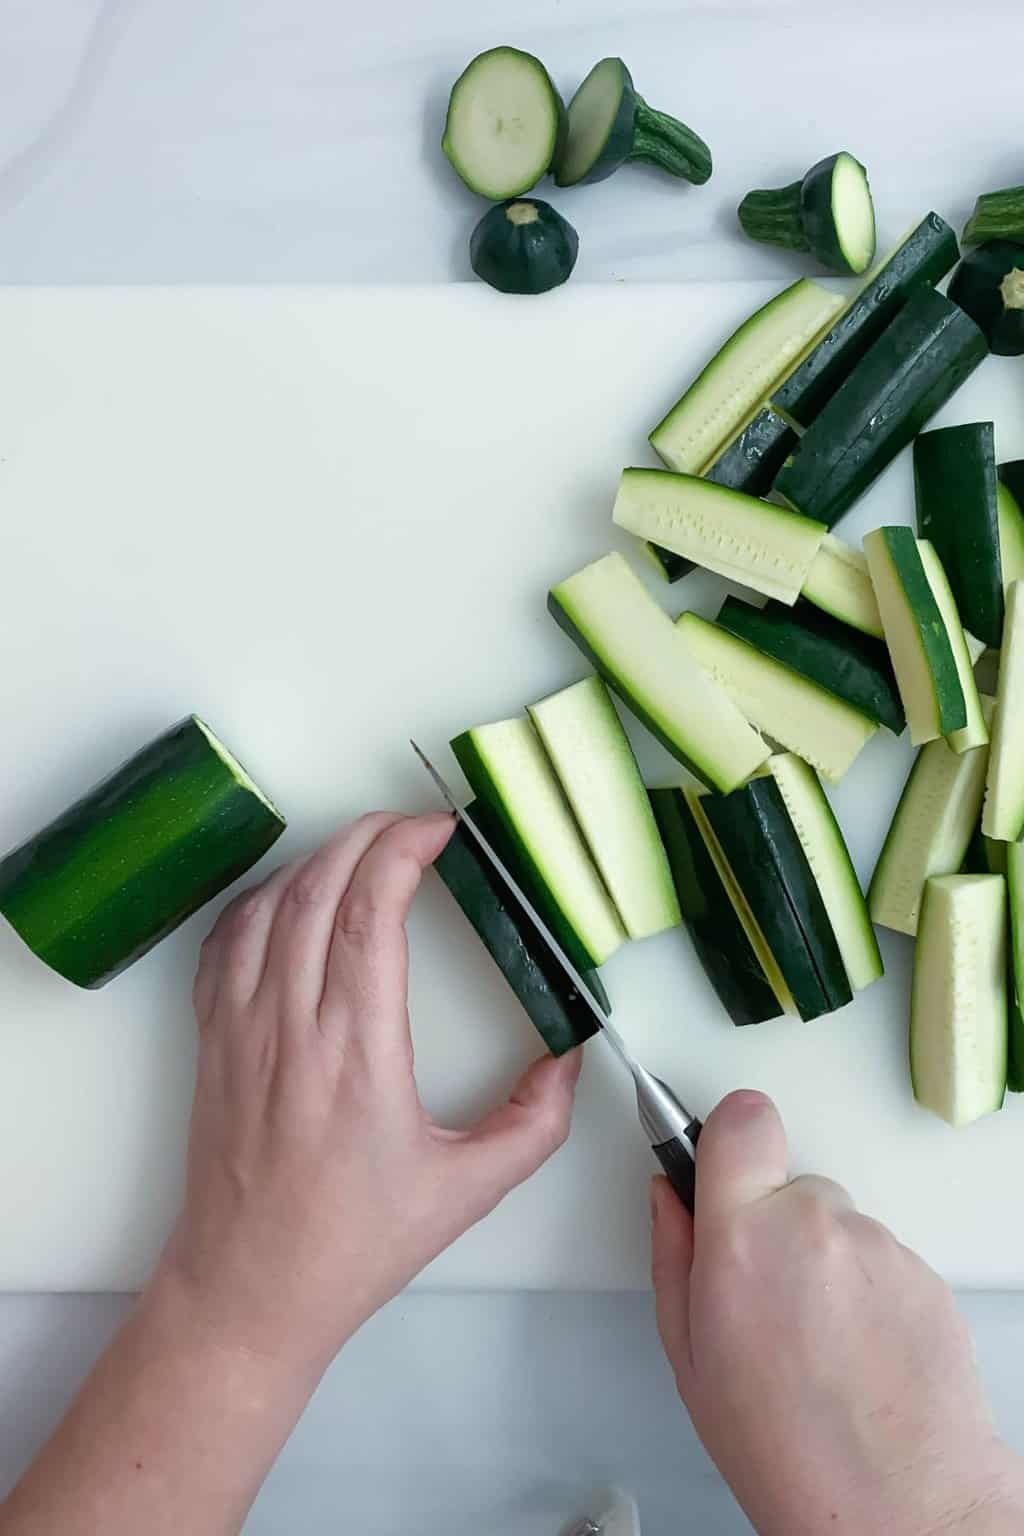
(677, 1159)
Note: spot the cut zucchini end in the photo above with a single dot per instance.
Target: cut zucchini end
(504, 123)
(236, 770)
(593, 117)
(853, 213)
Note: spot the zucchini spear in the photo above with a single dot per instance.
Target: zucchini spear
(828, 212)
(610, 123)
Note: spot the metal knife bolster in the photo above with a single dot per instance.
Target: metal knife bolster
(662, 1115)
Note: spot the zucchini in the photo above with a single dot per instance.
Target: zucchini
(914, 367)
(798, 714)
(984, 855)
(127, 864)
(839, 583)
(737, 381)
(922, 654)
(958, 1017)
(594, 761)
(955, 490)
(561, 1017)
(767, 857)
(1010, 514)
(931, 830)
(975, 732)
(997, 216)
(1015, 977)
(697, 802)
(610, 123)
(848, 664)
(719, 937)
(749, 463)
(1003, 816)
(509, 774)
(632, 643)
(829, 858)
(762, 546)
(989, 286)
(505, 123)
(828, 212)
(920, 260)
(523, 246)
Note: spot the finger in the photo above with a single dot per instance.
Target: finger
(232, 956)
(742, 1156)
(811, 1186)
(671, 1262)
(513, 1141)
(300, 938)
(367, 964)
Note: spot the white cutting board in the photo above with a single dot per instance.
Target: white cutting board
(327, 520)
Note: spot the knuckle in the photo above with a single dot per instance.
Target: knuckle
(359, 920)
(307, 890)
(246, 913)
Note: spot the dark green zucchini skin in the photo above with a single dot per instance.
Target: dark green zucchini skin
(768, 860)
(722, 946)
(498, 827)
(923, 259)
(955, 486)
(128, 863)
(989, 286)
(523, 246)
(916, 365)
(1015, 1054)
(853, 666)
(560, 1016)
(749, 463)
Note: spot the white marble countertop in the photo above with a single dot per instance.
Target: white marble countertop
(296, 141)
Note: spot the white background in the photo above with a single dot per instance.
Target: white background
(143, 141)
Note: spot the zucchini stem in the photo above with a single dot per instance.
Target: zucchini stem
(663, 141)
(997, 216)
(1012, 287)
(774, 217)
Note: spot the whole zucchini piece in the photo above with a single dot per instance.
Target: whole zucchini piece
(610, 123)
(988, 285)
(505, 123)
(127, 864)
(561, 1017)
(523, 246)
(719, 937)
(955, 486)
(914, 367)
(828, 212)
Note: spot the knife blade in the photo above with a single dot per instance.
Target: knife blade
(669, 1126)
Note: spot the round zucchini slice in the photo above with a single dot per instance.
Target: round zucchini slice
(523, 246)
(505, 123)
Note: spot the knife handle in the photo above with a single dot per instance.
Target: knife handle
(677, 1159)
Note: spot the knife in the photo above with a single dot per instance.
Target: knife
(668, 1125)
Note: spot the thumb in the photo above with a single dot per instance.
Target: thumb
(671, 1262)
(513, 1141)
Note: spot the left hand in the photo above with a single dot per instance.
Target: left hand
(318, 1185)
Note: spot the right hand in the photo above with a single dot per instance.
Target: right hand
(825, 1367)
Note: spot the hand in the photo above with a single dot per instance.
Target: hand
(318, 1186)
(824, 1366)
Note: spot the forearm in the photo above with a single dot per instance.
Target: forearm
(173, 1431)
